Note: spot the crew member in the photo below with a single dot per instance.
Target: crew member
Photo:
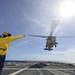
(5, 40)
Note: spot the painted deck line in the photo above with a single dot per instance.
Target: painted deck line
(18, 71)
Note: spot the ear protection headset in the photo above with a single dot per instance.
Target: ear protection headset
(6, 34)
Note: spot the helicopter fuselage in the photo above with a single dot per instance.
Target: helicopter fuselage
(50, 42)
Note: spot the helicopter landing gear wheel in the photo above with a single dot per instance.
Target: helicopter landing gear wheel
(46, 45)
(50, 49)
(55, 45)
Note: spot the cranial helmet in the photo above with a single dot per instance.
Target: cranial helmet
(6, 34)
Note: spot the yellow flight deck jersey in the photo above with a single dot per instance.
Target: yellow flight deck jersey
(5, 42)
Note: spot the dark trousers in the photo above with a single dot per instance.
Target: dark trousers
(2, 60)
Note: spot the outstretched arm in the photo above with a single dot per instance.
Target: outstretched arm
(16, 37)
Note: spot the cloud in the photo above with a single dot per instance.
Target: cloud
(62, 56)
(46, 25)
(19, 43)
(70, 55)
(44, 15)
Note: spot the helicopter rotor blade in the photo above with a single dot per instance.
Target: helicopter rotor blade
(38, 36)
(53, 26)
(66, 37)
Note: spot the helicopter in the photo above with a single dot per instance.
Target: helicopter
(51, 39)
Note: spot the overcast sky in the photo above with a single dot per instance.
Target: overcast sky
(35, 17)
